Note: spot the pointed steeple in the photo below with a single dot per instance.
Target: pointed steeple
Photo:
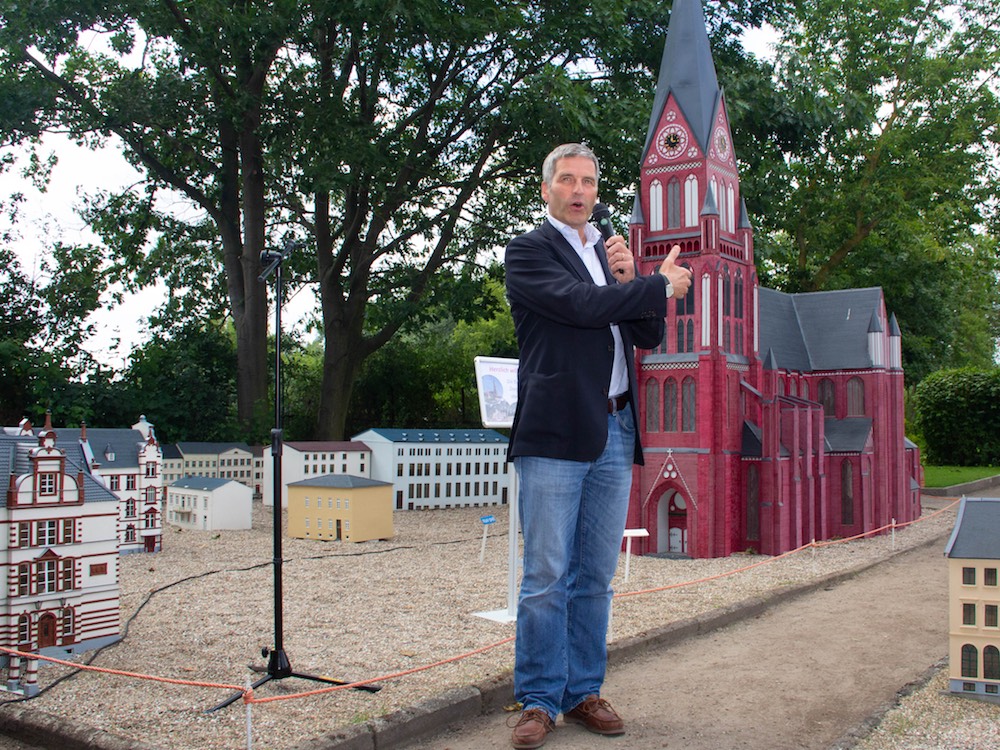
(688, 71)
(894, 326)
(744, 216)
(709, 208)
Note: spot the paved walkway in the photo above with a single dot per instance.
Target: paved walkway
(804, 674)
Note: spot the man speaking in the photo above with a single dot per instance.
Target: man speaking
(579, 309)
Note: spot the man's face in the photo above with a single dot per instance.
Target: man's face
(573, 192)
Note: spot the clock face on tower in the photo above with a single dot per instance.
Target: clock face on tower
(672, 141)
(722, 144)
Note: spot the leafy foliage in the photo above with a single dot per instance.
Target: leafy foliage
(958, 411)
(893, 177)
(401, 140)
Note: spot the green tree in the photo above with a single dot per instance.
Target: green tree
(185, 385)
(894, 180)
(399, 139)
(19, 327)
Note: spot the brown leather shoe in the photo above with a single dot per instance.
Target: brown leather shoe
(596, 715)
(532, 729)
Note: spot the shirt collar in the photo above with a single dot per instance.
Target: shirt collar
(590, 231)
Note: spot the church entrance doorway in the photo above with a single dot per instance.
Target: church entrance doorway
(672, 523)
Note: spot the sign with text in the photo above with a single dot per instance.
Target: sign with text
(496, 380)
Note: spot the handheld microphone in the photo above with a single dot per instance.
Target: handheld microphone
(602, 217)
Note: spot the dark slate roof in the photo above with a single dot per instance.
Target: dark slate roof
(210, 448)
(847, 435)
(207, 484)
(124, 443)
(336, 446)
(437, 436)
(781, 331)
(12, 461)
(818, 330)
(170, 452)
(687, 71)
(15, 461)
(977, 530)
(339, 481)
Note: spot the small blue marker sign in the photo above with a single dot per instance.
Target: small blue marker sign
(487, 520)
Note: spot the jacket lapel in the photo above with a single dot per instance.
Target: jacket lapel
(569, 256)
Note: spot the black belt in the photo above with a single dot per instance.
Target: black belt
(617, 403)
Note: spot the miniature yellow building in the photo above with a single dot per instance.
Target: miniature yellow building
(973, 554)
(340, 507)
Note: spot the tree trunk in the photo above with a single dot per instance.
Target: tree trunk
(341, 360)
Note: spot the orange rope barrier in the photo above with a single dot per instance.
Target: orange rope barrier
(119, 672)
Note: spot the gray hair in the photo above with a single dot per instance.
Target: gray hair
(564, 151)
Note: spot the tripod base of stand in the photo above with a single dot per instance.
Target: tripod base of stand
(278, 668)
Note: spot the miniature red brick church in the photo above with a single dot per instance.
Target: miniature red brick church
(768, 419)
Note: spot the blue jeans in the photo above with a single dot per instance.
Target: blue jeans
(572, 520)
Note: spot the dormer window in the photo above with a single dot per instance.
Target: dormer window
(47, 484)
(109, 453)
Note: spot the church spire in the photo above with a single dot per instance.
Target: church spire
(688, 72)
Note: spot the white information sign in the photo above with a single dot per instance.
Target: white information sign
(496, 380)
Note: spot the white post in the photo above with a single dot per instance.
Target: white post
(513, 525)
(629, 534)
(510, 613)
(249, 719)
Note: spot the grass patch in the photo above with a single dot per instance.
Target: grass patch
(946, 476)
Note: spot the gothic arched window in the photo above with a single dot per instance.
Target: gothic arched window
(688, 405)
(655, 206)
(691, 207)
(670, 405)
(753, 503)
(827, 397)
(673, 204)
(855, 397)
(846, 492)
(652, 406)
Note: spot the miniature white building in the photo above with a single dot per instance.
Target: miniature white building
(440, 468)
(59, 555)
(308, 459)
(973, 554)
(209, 504)
(222, 460)
(129, 462)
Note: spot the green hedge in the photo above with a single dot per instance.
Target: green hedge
(958, 413)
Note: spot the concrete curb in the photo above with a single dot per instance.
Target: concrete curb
(851, 738)
(958, 490)
(39, 728)
(430, 716)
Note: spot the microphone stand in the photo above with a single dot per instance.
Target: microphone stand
(278, 665)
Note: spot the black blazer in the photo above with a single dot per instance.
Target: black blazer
(562, 321)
